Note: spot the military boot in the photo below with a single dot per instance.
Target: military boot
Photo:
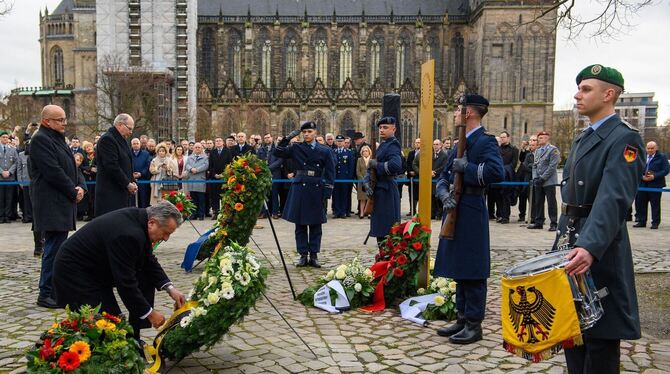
(303, 260)
(453, 328)
(314, 261)
(471, 333)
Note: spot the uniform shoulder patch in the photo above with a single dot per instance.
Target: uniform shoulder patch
(630, 153)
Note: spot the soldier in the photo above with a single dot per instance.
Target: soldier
(311, 185)
(600, 178)
(344, 169)
(8, 163)
(387, 165)
(467, 257)
(545, 179)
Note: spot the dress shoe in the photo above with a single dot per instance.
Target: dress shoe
(552, 228)
(275, 216)
(654, 227)
(471, 333)
(47, 302)
(499, 219)
(521, 219)
(504, 221)
(314, 261)
(452, 329)
(302, 262)
(534, 227)
(640, 224)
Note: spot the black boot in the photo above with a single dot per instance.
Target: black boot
(303, 260)
(314, 261)
(39, 243)
(453, 328)
(471, 333)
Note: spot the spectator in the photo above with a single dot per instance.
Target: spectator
(656, 169)
(196, 169)
(413, 176)
(23, 177)
(89, 170)
(151, 147)
(141, 162)
(190, 147)
(266, 149)
(230, 142)
(330, 140)
(162, 167)
(525, 174)
(82, 206)
(8, 164)
(506, 195)
(438, 165)
(143, 142)
(321, 140)
(446, 145)
(180, 158)
(361, 169)
(219, 158)
(242, 148)
(545, 180)
(209, 145)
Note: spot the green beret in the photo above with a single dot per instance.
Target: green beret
(603, 73)
(3, 132)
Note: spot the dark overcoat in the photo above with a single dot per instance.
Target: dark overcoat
(344, 169)
(115, 171)
(305, 201)
(386, 196)
(468, 255)
(54, 177)
(111, 251)
(601, 171)
(660, 167)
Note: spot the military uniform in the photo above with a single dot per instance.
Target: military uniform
(545, 179)
(344, 169)
(8, 162)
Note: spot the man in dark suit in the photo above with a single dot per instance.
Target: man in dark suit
(114, 181)
(219, 157)
(344, 169)
(141, 162)
(241, 148)
(413, 177)
(510, 157)
(115, 251)
(656, 169)
(56, 189)
(600, 178)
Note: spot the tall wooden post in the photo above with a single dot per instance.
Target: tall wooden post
(425, 154)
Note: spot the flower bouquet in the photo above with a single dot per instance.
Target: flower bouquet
(181, 201)
(355, 278)
(228, 287)
(86, 342)
(444, 303)
(248, 180)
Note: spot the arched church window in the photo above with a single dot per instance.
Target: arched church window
(291, 59)
(347, 124)
(400, 63)
(345, 61)
(289, 124)
(437, 128)
(321, 62)
(375, 55)
(208, 59)
(407, 132)
(320, 121)
(266, 63)
(57, 66)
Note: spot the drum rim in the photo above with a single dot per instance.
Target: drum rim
(560, 264)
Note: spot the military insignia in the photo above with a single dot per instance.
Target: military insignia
(596, 69)
(630, 153)
(529, 318)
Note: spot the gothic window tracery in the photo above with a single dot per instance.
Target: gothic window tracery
(235, 57)
(57, 66)
(400, 62)
(345, 60)
(321, 62)
(375, 56)
(208, 58)
(291, 60)
(266, 63)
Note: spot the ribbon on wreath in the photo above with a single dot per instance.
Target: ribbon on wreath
(379, 270)
(152, 352)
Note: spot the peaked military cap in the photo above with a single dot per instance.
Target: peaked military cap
(386, 121)
(339, 138)
(308, 125)
(474, 99)
(603, 73)
(357, 135)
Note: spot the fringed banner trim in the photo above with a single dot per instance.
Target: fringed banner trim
(545, 354)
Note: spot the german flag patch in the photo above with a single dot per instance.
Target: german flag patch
(630, 153)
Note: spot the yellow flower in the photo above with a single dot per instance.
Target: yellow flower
(105, 325)
(439, 300)
(232, 180)
(82, 349)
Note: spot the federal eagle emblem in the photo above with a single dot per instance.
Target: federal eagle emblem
(530, 318)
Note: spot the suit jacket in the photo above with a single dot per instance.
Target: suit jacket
(141, 163)
(545, 164)
(660, 167)
(115, 171)
(22, 169)
(8, 162)
(263, 152)
(235, 150)
(603, 171)
(110, 251)
(201, 164)
(217, 163)
(54, 178)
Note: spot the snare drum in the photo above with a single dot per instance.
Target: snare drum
(586, 297)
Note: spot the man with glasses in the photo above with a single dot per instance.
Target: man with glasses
(57, 187)
(115, 184)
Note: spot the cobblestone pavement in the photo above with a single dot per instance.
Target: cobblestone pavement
(350, 342)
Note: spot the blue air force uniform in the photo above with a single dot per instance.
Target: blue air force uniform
(344, 169)
(312, 184)
(467, 258)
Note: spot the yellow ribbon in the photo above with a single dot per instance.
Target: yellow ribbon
(152, 353)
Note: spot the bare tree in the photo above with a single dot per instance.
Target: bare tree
(6, 7)
(563, 132)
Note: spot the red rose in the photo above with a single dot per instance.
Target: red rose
(404, 244)
(173, 193)
(68, 361)
(245, 163)
(402, 259)
(398, 272)
(257, 169)
(396, 248)
(395, 229)
(179, 206)
(46, 351)
(426, 229)
(417, 246)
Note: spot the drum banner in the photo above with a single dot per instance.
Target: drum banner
(538, 315)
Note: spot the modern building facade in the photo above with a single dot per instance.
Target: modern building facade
(638, 109)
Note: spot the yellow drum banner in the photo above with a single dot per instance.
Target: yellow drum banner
(538, 315)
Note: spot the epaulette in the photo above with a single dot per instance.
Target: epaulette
(630, 126)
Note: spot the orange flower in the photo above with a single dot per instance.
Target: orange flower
(239, 206)
(232, 180)
(239, 187)
(82, 349)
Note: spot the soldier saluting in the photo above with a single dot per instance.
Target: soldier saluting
(600, 178)
(312, 184)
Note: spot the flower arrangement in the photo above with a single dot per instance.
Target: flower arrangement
(444, 303)
(228, 287)
(355, 278)
(86, 342)
(181, 201)
(247, 182)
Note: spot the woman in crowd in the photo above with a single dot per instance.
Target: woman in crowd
(82, 206)
(180, 158)
(89, 170)
(163, 167)
(361, 168)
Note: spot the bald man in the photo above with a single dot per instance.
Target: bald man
(656, 169)
(56, 189)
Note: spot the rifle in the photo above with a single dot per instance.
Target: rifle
(448, 230)
(370, 202)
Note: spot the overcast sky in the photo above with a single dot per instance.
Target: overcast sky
(642, 54)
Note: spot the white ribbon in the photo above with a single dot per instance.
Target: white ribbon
(419, 304)
(322, 298)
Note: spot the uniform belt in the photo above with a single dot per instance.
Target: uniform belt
(575, 210)
(308, 173)
(470, 190)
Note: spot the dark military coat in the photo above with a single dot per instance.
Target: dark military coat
(604, 171)
(387, 198)
(468, 255)
(304, 204)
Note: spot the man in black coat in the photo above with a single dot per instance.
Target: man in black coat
(219, 157)
(56, 189)
(115, 251)
(241, 148)
(114, 181)
(510, 157)
(656, 169)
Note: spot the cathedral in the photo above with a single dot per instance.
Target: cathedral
(265, 66)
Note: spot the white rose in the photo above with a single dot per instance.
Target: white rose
(342, 268)
(452, 286)
(368, 273)
(212, 280)
(453, 298)
(444, 291)
(340, 274)
(330, 275)
(358, 287)
(441, 283)
(421, 291)
(213, 298)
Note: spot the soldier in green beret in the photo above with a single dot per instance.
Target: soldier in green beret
(600, 179)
